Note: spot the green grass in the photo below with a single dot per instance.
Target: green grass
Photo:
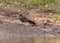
(16, 5)
(41, 4)
(37, 3)
(57, 16)
(5, 1)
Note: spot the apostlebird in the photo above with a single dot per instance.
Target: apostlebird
(22, 18)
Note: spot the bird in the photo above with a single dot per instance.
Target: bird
(22, 18)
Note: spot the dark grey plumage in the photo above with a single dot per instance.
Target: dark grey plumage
(24, 19)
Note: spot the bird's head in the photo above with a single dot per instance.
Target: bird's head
(20, 14)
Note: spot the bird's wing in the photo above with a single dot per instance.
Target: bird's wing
(24, 17)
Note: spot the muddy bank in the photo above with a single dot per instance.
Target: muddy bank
(11, 30)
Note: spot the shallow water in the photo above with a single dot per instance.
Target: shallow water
(32, 40)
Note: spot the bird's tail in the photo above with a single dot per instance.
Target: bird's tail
(31, 22)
